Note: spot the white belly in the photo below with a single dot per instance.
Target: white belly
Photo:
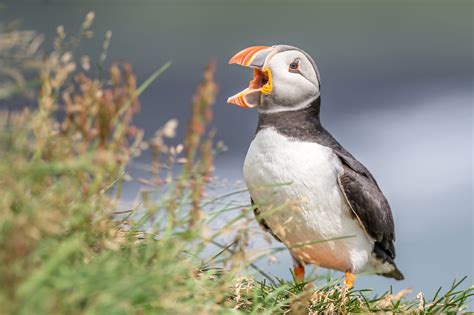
(294, 185)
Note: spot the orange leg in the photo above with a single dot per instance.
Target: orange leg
(350, 279)
(299, 273)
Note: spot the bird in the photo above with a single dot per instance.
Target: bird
(306, 189)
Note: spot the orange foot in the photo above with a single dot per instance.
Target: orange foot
(299, 273)
(350, 279)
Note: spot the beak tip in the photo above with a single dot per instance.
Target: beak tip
(233, 60)
(231, 100)
(235, 100)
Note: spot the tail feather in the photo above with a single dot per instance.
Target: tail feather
(395, 273)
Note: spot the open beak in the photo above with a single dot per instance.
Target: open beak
(253, 57)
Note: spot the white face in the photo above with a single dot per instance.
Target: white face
(295, 82)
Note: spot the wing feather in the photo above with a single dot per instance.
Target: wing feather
(369, 205)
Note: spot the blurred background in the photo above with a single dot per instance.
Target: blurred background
(397, 92)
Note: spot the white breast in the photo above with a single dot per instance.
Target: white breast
(294, 185)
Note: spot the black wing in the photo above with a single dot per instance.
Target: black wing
(367, 202)
(370, 207)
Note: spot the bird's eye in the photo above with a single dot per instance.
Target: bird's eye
(294, 66)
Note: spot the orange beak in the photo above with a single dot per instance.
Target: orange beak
(253, 57)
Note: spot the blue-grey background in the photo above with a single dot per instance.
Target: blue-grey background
(397, 91)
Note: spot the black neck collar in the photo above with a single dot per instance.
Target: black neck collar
(298, 123)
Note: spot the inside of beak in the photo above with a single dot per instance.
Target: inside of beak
(260, 84)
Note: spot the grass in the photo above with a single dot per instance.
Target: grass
(69, 246)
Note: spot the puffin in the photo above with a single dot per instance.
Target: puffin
(306, 190)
